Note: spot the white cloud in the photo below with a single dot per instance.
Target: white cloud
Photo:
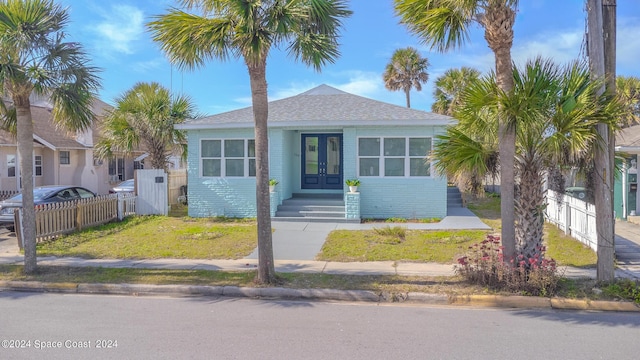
(149, 65)
(120, 27)
(562, 47)
(362, 83)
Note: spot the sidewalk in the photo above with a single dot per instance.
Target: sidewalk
(302, 239)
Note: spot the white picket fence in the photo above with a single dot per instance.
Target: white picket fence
(575, 217)
(55, 219)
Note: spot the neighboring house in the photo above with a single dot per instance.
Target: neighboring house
(62, 157)
(626, 201)
(318, 139)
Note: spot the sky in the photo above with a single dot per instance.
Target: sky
(114, 35)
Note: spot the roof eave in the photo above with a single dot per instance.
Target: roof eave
(44, 142)
(321, 123)
(628, 149)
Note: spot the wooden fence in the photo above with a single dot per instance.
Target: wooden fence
(53, 220)
(575, 217)
(177, 182)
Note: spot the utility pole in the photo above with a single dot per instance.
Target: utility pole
(609, 32)
(602, 164)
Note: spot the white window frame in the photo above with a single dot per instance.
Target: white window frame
(223, 168)
(68, 157)
(36, 165)
(116, 175)
(381, 158)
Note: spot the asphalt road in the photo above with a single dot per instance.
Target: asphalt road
(55, 326)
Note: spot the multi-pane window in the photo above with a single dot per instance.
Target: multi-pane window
(65, 158)
(37, 165)
(116, 169)
(11, 165)
(228, 158)
(394, 156)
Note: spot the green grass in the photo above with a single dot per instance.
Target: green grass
(452, 285)
(567, 250)
(153, 237)
(564, 249)
(381, 245)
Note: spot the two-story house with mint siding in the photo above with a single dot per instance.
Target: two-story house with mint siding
(317, 140)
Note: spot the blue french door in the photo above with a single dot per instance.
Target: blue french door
(322, 161)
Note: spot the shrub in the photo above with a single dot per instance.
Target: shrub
(484, 265)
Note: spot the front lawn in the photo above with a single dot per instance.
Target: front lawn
(389, 244)
(443, 246)
(154, 237)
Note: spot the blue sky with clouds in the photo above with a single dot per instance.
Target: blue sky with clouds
(113, 33)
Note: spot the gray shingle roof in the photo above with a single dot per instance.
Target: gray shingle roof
(322, 106)
(44, 129)
(628, 138)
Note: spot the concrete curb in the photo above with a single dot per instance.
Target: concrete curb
(496, 301)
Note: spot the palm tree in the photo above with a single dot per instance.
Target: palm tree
(248, 30)
(406, 70)
(144, 118)
(449, 87)
(444, 24)
(35, 59)
(559, 108)
(628, 90)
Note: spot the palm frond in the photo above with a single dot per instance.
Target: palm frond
(441, 24)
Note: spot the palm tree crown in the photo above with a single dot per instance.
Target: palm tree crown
(628, 90)
(558, 109)
(449, 88)
(406, 70)
(144, 118)
(34, 58)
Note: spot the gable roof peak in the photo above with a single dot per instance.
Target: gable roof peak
(324, 90)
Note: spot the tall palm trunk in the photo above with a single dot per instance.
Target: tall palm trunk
(407, 93)
(257, 76)
(25, 154)
(498, 24)
(529, 206)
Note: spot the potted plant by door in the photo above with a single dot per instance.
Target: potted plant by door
(272, 185)
(352, 184)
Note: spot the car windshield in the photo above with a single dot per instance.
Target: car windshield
(126, 183)
(38, 194)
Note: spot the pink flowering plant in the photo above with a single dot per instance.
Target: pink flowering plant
(484, 264)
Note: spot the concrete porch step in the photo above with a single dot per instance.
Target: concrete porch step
(305, 213)
(316, 219)
(313, 202)
(312, 206)
(289, 207)
(454, 197)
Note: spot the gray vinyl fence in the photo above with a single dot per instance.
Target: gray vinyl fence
(575, 217)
